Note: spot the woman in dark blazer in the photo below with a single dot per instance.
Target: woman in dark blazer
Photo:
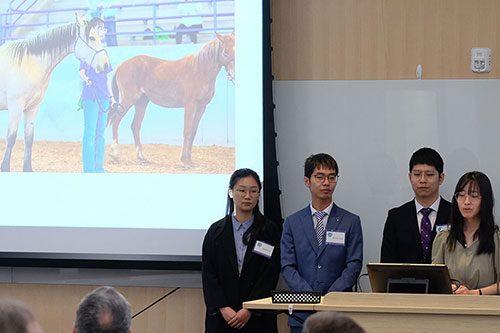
(240, 261)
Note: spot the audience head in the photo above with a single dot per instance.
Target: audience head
(473, 200)
(104, 310)
(331, 322)
(426, 175)
(15, 317)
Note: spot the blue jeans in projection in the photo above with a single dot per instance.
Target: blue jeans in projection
(93, 135)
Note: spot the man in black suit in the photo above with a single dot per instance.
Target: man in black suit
(410, 229)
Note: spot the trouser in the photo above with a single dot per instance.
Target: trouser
(192, 35)
(93, 135)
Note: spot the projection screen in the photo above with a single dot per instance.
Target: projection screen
(150, 206)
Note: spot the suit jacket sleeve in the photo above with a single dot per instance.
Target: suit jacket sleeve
(212, 290)
(389, 251)
(289, 268)
(354, 259)
(269, 276)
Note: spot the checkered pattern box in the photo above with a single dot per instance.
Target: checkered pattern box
(287, 296)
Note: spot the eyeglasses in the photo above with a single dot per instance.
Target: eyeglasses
(320, 177)
(418, 174)
(252, 192)
(473, 196)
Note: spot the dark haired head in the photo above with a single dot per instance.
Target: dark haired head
(479, 182)
(235, 177)
(320, 160)
(96, 21)
(243, 173)
(15, 317)
(329, 321)
(427, 156)
(258, 227)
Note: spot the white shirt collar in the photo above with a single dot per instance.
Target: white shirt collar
(327, 210)
(434, 206)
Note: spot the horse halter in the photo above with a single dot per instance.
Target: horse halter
(96, 52)
(224, 63)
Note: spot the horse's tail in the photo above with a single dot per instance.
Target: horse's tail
(116, 91)
(116, 108)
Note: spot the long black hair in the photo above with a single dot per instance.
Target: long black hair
(259, 222)
(478, 182)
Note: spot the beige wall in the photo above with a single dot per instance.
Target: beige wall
(55, 307)
(382, 39)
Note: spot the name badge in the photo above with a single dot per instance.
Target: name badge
(335, 238)
(263, 249)
(442, 227)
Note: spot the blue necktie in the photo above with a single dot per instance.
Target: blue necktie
(320, 226)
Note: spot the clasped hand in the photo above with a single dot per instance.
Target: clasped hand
(235, 319)
(463, 290)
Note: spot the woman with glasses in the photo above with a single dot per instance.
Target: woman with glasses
(470, 247)
(240, 260)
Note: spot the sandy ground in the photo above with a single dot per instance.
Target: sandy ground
(57, 156)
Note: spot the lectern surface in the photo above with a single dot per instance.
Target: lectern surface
(387, 313)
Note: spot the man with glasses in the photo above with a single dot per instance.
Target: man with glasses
(410, 229)
(322, 244)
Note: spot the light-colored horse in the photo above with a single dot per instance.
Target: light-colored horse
(27, 65)
(188, 82)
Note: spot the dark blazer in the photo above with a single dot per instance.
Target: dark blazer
(401, 240)
(223, 287)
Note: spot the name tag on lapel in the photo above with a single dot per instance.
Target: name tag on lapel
(442, 227)
(263, 249)
(335, 238)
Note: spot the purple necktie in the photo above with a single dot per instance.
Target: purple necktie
(425, 231)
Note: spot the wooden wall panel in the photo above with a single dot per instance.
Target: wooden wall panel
(55, 307)
(382, 39)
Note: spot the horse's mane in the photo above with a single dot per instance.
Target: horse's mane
(49, 43)
(207, 56)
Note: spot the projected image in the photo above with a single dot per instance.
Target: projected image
(187, 84)
(150, 87)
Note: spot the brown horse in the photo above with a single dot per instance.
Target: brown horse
(188, 82)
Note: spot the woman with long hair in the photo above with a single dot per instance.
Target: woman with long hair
(470, 247)
(240, 260)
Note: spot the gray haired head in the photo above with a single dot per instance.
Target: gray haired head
(104, 310)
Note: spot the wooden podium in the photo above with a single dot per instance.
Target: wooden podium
(381, 312)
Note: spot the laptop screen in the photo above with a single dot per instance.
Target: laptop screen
(409, 278)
